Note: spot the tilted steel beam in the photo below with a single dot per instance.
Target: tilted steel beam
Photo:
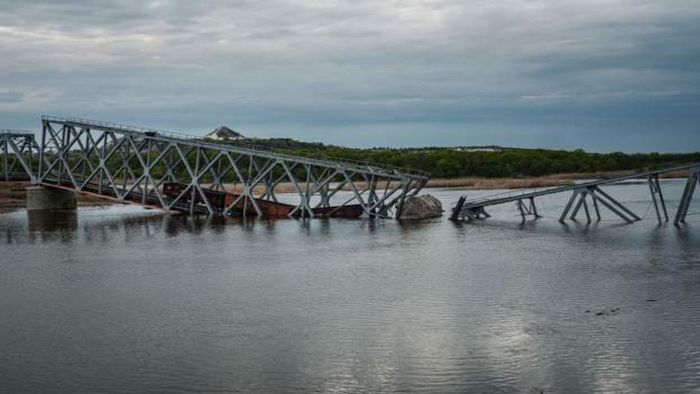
(691, 184)
(178, 172)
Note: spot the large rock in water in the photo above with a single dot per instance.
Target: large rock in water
(421, 207)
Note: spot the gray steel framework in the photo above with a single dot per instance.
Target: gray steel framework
(19, 153)
(132, 164)
(588, 193)
(688, 191)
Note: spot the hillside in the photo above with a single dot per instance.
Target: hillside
(490, 161)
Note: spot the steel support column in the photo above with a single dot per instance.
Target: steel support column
(690, 186)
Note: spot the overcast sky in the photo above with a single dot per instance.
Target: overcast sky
(602, 75)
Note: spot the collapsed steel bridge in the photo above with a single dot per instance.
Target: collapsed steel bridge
(177, 172)
(525, 201)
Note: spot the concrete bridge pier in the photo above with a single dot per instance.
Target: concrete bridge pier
(40, 198)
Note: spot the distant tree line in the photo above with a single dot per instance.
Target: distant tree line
(450, 163)
(444, 162)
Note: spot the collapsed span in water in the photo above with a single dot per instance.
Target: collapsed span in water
(177, 172)
(582, 194)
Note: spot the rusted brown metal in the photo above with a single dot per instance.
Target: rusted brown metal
(347, 211)
(268, 208)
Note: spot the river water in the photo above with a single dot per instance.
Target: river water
(123, 300)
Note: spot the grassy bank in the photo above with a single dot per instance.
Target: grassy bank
(614, 174)
(535, 182)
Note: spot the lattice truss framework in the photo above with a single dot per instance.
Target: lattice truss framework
(525, 201)
(135, 165)
(19, 152)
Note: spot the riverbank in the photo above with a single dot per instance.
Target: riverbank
(467, 183)
(478, 183)
(13, 194)
(563, 179)
(498, 183)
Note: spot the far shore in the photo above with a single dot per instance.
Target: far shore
(565, 179)
(479, 183)
(13, 195)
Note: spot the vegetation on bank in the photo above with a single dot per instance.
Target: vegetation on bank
(499, 163)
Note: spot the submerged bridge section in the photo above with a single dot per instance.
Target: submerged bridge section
(19, 155)
(176, 172)
(581, 194)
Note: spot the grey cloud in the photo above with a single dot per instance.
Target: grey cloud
(477, 67)
(11, 97)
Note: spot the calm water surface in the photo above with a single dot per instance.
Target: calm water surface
(123, 300)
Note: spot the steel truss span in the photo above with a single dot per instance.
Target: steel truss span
(19, 155)
(175, 172)
(582, 193)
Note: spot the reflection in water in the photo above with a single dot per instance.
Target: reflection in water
(44, 226)
(52, 221)
(126, 300)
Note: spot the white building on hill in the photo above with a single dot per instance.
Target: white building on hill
(223, 133)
